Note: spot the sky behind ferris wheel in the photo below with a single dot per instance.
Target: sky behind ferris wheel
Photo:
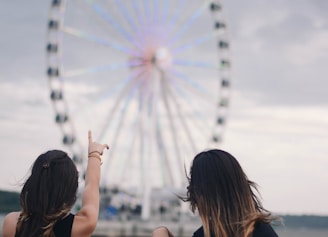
(278, 119)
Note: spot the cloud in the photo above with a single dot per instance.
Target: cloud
(284, 150)
(278, 52)
(27, 128)
(310, 52)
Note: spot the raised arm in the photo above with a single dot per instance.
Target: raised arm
(85, 220)
(162, 231)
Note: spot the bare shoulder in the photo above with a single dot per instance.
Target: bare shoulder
(9, 224)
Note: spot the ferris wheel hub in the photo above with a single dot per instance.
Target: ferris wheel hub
(163, 58)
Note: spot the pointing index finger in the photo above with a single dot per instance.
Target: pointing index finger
(90, 136)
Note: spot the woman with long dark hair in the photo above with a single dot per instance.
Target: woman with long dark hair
(224, 198)
(49, 194)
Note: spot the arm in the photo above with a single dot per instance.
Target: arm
(85, 220)
(162, 231)
(9, 224)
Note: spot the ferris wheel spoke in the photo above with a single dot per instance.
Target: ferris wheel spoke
(176, 14)
(95, 69)
(194, 112)
(174, 99)
(95, 16)
(172, 125)
(122, 94)
(97, 40)
(162, 152)
(136, 8)
(109, 19)
(163, 18)
(133, 134)
(156, 12)
(193, 85)
(156, 136)
(147, 10)
(141, 134)
(110, 91)
(131, 148)
(188, 22)
(104, 94)
(189, 63)
(195, 42)
(121, 119)
(188, 94)
(126, 15)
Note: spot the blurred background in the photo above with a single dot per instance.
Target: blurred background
(278, 118)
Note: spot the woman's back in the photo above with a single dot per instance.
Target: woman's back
(49, 194)
(260, 230)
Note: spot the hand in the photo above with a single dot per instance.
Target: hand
(162, 231)
(94, 146)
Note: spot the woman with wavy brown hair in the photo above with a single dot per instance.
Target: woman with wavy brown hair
(49, 194)
(224, 198)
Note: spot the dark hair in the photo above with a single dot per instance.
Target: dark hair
(221, 192)
(47, 195)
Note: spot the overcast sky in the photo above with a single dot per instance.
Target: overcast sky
(278, 119)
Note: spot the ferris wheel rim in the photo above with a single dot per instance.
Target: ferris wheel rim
(56, 73)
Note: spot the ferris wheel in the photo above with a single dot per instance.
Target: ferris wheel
(149, 77)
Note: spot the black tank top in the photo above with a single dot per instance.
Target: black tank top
(63, 228)
(260, 230)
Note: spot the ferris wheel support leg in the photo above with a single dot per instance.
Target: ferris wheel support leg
(145, 212)
(146, 195)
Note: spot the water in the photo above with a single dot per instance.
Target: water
(302, 232)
